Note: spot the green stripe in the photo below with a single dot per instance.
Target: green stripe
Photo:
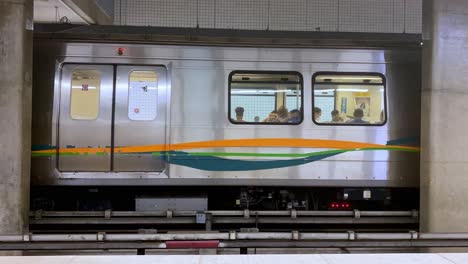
(288, 155)
(42, 154)
(244, 154)
(393, 148)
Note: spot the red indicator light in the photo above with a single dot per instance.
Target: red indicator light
(120, 51)
(339, 205)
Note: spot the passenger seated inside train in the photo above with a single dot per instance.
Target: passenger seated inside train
(272, 117)
(294, 116)
(282, 114)
(358, 115)
(382, 118)
(336, 118)
(239, 114)
(317, 114)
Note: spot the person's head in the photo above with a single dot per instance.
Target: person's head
(273, 115)
(335, 113)
(317, 113)
(257, 119)
(282, 112)
(295, 113)
(239, 113)
(358, 113)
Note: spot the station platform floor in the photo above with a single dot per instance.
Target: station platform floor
(422, 258)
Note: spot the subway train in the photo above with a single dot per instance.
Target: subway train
(118, 124)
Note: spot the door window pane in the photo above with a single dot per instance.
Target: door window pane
(265, 98)
(142, 95)
(84, 98)
(349, 99)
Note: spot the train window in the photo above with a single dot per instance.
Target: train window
(257, 97)
(84, 96)
(349, 99)
(142, 95)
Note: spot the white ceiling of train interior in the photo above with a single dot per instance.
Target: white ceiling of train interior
(54, 11)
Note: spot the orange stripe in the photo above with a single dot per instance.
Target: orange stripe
(274, 142)
(148, 148)
(266, 142)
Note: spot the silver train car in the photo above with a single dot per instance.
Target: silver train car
(116, 114)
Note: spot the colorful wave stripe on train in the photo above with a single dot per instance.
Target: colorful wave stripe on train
(218, 161)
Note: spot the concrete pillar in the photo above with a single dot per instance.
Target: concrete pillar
(16, 18)
(444, 124)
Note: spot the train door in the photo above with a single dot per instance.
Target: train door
(100, 115)
(140, 117)
(85, 116)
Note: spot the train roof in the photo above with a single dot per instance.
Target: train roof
(223, 37)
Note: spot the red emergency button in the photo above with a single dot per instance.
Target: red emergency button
(120, 51)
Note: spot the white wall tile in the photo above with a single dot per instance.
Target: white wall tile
(175, 13)
(288, 15)
(383, 16)
(413, 16)
(242, 14)
(365, 15)
(322, 15)
(206, 11)
(399, 16)
(117, 10)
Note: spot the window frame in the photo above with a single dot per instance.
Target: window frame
(384, 84)
(301, 83)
